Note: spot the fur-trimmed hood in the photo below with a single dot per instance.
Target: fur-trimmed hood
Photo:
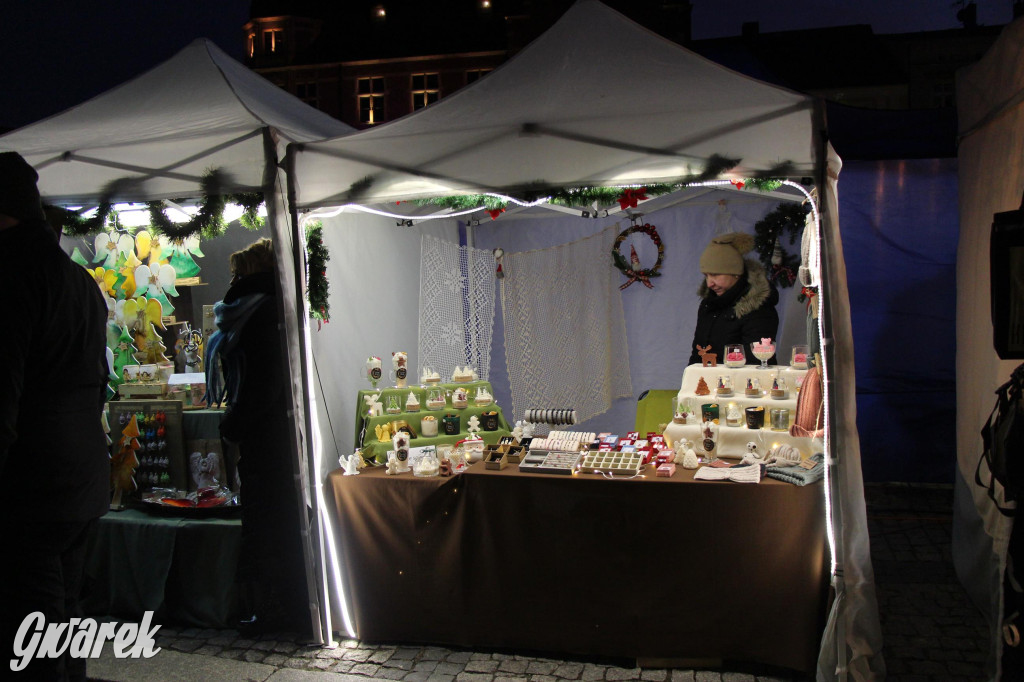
(760, 290)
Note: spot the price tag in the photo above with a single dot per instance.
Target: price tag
(808, 464)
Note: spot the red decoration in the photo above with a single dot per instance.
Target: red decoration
(738, 184)
(496, 212)
(630, 197)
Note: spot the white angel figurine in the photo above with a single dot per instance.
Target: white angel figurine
(351, 463)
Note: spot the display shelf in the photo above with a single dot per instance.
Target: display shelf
(365, 431)
(732, 440)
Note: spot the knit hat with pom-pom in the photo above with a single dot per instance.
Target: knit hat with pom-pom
(724, 255)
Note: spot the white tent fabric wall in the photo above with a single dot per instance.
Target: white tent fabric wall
(659, 321)
(373, 274)
(990, 107)
(565, 334)
(852, 642)
(456, 317)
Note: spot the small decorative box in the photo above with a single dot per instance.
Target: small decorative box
(515, 454)
(667, 470)
(633, 435)
(663, 456)
(495, 459)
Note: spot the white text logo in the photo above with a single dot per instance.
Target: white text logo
(81, 638)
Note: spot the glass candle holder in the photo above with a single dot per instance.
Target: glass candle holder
(709, 412)
(798, 358)
(780, 419)
(735, 356)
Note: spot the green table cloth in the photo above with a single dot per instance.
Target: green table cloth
(183, 569)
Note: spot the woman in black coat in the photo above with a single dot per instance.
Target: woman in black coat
(737, 300)
(249, 347)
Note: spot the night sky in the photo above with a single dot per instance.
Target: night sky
(58, 53)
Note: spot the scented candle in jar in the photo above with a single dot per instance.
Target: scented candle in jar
(735, 356)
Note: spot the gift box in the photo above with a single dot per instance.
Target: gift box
(633, 435)
(662, 456)
(667, 470)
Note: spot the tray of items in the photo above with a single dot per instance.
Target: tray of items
(612, 463)
(549, 462)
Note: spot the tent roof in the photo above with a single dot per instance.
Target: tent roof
(596, 100)
(197, 111)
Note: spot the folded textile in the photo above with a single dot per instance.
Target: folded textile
(741, 473)
(797, 475)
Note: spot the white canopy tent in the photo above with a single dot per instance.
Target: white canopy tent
(990, 107)
(598, 100)
(154, 137)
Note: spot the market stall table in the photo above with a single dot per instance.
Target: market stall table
(181, 568)
(660, 570)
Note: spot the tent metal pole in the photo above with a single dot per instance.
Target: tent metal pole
(302, 441)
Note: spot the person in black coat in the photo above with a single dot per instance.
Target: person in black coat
(249, 349)
(54, 464)
(737, 300)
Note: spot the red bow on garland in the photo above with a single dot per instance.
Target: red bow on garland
(635, 273)
(738, 184)
(496, 212)
(630, 197)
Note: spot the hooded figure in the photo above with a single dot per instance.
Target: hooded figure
(737, 300)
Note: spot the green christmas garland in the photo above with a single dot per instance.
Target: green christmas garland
(765, 181)
(786, 219)
(209, 221)
(317, 287)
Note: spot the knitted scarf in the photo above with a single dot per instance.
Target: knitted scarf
(224, 361)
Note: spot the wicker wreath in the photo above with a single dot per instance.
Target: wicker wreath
(631, 267)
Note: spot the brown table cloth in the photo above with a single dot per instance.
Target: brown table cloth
(648, 568)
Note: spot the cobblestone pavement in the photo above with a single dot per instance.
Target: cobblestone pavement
(931, 631)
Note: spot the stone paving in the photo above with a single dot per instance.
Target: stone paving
(931, 631)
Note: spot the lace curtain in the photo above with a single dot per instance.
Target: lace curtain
(565, 333)
(456, 307)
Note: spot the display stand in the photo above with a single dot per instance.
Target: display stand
(732, 440)
(365, 427)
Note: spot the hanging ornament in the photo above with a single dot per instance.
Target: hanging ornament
(498, 253)
(632, 269)
(777, 253)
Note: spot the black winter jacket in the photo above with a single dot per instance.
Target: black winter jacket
(743, 314)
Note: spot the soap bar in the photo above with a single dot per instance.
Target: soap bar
(667, 470)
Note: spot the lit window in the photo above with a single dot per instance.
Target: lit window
(370, 92)
(425, 89)
(273, 40)
(474, 75)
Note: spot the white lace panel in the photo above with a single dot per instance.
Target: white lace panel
(456, 307)
(565, 333)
